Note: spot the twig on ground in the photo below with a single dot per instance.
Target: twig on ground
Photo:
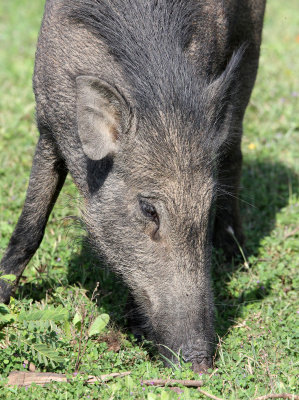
(292, 233)
(278, 396)
(21, 378)
(172, 382)
(211, 396)
(266, 397)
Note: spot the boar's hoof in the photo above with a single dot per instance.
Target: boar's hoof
(202, 365)
(6, 291)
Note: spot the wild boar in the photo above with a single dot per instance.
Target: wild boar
(142, 102)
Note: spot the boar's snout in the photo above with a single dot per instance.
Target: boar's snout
(197, 352)
(201, 360)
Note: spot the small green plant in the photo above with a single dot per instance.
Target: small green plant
(87, 324)
(38, 332)
(177, 356)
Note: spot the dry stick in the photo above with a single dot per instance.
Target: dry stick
(172, 382)
(21, 378)
(278, 396)
(292, 233)
(266, 397)
(191, 383)
(211, 396)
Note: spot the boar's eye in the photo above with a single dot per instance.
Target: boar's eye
(149, 210)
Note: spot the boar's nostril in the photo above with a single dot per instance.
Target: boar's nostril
(201, 366)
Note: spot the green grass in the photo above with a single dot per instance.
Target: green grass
(257, 307)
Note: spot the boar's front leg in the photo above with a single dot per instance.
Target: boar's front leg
(47, 178)
(228, 226)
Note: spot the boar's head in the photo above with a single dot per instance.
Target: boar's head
(152, 216)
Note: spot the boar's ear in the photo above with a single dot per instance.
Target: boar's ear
(102, 116)
(220, 100)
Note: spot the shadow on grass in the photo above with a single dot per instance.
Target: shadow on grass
(266, 190)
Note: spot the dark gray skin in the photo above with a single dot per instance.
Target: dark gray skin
(142, 102)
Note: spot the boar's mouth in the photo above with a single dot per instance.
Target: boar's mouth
(201, 365)
(201, 359)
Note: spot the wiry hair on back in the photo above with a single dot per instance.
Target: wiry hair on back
(147, 38)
